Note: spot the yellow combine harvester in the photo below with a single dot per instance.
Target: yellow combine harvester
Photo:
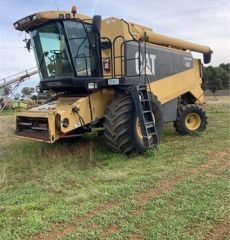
(114, 76)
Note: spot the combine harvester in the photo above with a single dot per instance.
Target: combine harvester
(114, 76)
(15, 80)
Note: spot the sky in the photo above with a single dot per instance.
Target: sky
(205, 22)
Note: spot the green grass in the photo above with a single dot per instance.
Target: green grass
(179, 190)
(7, 113)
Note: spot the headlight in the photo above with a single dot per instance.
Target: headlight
(34, 17)
(16, 25)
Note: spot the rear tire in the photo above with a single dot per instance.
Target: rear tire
(120, 124)
(191, 118)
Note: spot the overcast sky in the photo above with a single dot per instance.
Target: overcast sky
(202, 21)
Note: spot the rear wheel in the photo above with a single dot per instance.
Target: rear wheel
(191, 118)
(122, 128)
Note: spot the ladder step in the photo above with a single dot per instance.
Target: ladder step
(151, 131)
(149, 123)
(142, 88)
(150, 127)
(40, 128)
(25, 124)
(150, 135)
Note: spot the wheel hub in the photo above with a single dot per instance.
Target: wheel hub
(192, 121)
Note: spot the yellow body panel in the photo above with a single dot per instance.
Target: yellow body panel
(64, 106)
(176, 85)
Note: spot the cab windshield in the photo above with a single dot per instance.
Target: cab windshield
(65, 49)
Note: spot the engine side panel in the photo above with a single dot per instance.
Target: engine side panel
(160, 62)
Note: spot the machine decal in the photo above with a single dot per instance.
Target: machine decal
(113, 81)
(150, 63)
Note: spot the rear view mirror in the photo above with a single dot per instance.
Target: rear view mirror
(97, 23)
(28, 45)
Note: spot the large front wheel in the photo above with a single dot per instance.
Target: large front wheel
(122, 128)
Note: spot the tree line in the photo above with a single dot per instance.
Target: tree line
(216, 77)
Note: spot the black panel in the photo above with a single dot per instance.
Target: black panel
(170, 110)
(72, 84)
(161, 62)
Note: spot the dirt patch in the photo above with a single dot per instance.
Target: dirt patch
(211, 160)
(219, 231)
(92, 226)
(60, 230)
(165, 186)
(96, 211)
(222, 154)
(225, 166)
(136, 236)
(211, 175)
(109, 231)
(197, 170)
(138, 212)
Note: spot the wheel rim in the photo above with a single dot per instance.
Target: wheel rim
(138, 129)
(193, 121)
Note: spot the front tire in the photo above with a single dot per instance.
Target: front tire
(191, 118)
(122, 132)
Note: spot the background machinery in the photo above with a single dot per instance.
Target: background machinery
(112, 75)
(14, 81)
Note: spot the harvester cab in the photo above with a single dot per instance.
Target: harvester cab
(67, 50)
(111, 75)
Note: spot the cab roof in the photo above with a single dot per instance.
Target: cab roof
(36, 19)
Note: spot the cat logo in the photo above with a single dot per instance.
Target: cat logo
(147, 64)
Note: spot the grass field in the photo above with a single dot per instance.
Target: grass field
(81, 190)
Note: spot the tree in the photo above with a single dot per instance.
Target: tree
(226, 67)
(225, 74)
(217, 76)
(27, 91)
